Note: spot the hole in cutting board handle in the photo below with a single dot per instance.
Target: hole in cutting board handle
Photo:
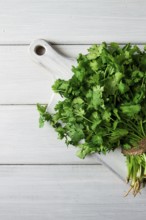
(40, 50)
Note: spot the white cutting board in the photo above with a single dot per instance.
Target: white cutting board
(60, 67)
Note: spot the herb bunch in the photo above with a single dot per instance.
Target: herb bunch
(104, 106)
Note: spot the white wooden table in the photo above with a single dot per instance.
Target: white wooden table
(40, 178)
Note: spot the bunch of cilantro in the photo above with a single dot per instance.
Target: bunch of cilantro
(104, 106)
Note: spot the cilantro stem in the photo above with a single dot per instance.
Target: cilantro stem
(58, 90)
(132, 128)
(114, 99)
(84, 118)
(112, 119)
(62, 118)
(142, 128)
(136, 172)
(136, 136)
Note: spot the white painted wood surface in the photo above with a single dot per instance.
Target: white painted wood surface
(68, 21)
(23, 142)
(24, 82)
(47, 189)
(66, 192)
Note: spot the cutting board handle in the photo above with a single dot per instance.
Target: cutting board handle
(43, 53)
(59, 66)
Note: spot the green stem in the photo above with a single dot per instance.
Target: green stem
(136, 136)
(134, 125)
(84, 118)
(136, 167)
(133, 129)
(142, 129)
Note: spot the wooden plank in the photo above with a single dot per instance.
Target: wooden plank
(23, 142)
(24, 82)
(66, 192)
(67, 21)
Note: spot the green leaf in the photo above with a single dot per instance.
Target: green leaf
(60, 86)
(94, 97)
(41, 108)
(118, 134)
(103, 103)
(97, 140)
(41, 122)
(44, 115)
(76, 133)
(130, 110)
(123, 88)
(106, 115)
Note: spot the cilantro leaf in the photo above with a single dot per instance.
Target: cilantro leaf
(103, 104)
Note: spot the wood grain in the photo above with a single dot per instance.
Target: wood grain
(49, 184)
(66, 192)
(23, 142)
(70, 21)
(24, 82)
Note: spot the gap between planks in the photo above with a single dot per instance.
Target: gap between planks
(49, 164)
(66, 44)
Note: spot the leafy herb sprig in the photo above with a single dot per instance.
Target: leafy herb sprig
(104, 106)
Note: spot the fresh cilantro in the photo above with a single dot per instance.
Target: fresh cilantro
(104, 105)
